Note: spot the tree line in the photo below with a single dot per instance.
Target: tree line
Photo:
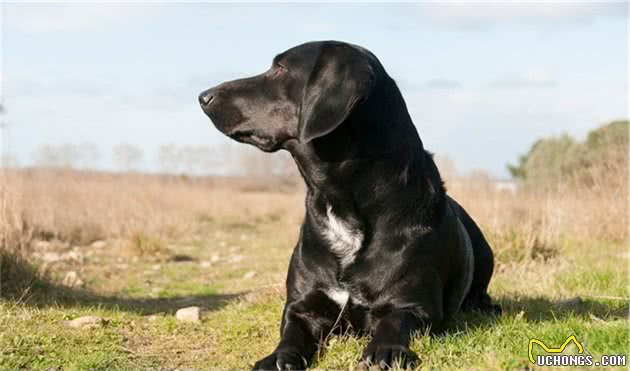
(169, 159)
(602, 156)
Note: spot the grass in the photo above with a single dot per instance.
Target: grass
(242, 315)
(149, 263)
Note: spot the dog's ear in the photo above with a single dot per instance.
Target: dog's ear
(340, 80)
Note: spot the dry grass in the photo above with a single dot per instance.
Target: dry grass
(588, 206)
(82, 207)
(145, 212)
(542, 239)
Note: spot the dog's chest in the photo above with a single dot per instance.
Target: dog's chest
(344, 239)
(342, 296)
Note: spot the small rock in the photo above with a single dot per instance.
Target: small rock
(236, 258)
(156, 267)
(215, 258)
(205, 264)
(244, 237)
(250, 275)
(595, 318)
(86, 322)
(98, 244)
(189, 314)
(72, 279)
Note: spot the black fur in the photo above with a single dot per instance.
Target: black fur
(344, 121)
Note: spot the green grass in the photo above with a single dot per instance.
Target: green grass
(241, 318)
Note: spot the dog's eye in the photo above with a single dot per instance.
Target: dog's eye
(278, 70)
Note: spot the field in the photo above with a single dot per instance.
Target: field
(141, 247)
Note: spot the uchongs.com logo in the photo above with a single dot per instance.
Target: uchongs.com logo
(555, 356)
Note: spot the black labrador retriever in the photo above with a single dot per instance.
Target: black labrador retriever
(382, 250)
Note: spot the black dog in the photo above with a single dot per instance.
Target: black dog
(383, 249)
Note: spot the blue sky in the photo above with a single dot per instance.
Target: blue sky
(482, 80)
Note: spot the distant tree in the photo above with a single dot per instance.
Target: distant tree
(62, 156)
(555, 159)
(67, 155)
(199, 160)
(613, 134)
(254, 162)
(549, 158)
(46, 156)
(518, 171)
(9, 160)
(544, 160)
(127, 157)
(190, 160)
(209, 159)
(87, 155)
(169, 159)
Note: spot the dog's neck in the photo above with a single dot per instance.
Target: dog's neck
(362, 163)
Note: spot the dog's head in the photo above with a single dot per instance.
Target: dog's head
(307, 93)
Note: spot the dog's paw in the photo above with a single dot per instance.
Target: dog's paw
(280, 361)
(387, 356)
(481, 304)
(489, 308)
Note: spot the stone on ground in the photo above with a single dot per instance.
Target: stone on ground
(189, 314)
(86, 322)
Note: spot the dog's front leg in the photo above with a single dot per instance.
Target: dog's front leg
(391, 336)
(306, 322)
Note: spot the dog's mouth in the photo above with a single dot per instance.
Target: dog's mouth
(251, 137)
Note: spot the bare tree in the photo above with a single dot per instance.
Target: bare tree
(169, 159)
(198, 160)
(253, 162)
(67, 156)
(209, 159)
(46, 156)
(127, 157)
(9, 160)
(62, 156)
(87, 155)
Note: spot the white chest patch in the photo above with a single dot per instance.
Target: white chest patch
(344, 241)
(339, 296)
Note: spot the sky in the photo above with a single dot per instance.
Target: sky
(482, 81)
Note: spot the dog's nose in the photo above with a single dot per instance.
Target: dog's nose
(206, 97)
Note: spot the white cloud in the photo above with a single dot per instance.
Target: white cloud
(487, 128)
(533, 77)
(67, 17)
(472, 15)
